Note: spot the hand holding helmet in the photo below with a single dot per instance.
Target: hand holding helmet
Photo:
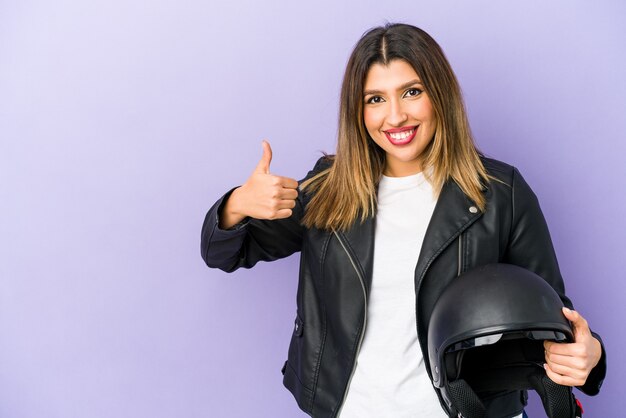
(486, 334)
(569, 364)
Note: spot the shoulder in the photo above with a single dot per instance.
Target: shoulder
(503, 174)
(323, 163)
(507, 184)
(304, 185)
(499, 170)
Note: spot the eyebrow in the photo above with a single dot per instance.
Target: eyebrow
(402, 87)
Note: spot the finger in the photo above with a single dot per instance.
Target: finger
(560, 379)
(291, 203)
(581, 328)
(566, 349)
(275, 207)
(287, 182)
(283, 213)
(264, 165)
(567, 371)
(286, 204)
(288, 194)
(566, 361)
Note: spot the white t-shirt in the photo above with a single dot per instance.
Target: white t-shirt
(390, 379)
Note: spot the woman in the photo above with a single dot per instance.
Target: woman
(405, 205)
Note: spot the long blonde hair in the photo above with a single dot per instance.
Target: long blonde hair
(346, 191)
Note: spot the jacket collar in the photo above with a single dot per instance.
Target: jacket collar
(453, 213)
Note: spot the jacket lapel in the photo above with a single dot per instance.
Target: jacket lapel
(360, 239)
(453, 213)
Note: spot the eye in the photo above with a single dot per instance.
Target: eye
(412, 92)
(374, 100)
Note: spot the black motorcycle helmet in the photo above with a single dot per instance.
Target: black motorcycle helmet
(486, 335)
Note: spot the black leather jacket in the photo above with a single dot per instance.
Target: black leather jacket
(336, 273)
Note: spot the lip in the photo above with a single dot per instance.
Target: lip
(402, 141)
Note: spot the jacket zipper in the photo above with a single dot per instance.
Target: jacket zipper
(358, 349)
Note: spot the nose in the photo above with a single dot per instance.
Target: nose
(397, 114)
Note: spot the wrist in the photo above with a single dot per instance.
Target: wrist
(230, 214)
(232, 208)
(597, 351)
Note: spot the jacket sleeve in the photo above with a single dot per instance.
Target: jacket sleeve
(252, 240)
(530, 246)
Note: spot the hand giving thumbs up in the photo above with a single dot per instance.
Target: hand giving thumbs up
(262, 196)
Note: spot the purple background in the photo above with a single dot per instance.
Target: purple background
(122, 121)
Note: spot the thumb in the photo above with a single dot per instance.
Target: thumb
(580, 324)
(264, 165)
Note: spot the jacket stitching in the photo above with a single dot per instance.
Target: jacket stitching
(512, 205)
(316, 372)
(463, 236)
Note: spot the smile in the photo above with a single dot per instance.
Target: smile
(401, 136)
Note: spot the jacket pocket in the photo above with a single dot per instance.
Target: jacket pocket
(297, 345)
(297, 332)
(293, 368)
(302, 394)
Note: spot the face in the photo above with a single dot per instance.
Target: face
(398, 116)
